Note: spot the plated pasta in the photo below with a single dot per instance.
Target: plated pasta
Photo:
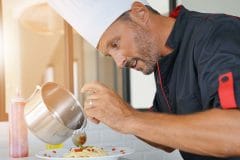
(86, 151)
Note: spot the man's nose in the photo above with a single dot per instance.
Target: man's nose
(119, 60)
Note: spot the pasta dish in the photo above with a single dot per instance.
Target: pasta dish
(85, 151)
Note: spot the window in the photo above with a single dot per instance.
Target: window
(3, 114)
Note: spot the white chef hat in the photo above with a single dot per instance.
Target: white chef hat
(90, 18)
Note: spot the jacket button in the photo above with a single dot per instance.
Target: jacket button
(224, 79)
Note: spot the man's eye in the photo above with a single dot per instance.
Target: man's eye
(115, 44)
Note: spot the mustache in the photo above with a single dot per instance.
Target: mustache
(131, 63)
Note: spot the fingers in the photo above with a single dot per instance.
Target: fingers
(92, 112)
(93, 92)
(89, 103)
(92, 87)
(95, 102)
(90, 91)
(94, 120)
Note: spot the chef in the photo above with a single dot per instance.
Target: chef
(195, 58)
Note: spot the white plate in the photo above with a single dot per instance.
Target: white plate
(113, 154)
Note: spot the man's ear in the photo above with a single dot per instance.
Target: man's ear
(139, 13)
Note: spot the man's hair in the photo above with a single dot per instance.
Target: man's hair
(126, 17)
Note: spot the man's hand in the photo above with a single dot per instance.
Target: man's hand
(103, 104)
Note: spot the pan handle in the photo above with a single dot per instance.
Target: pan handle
(37, 89)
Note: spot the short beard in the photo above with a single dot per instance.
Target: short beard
(148, 51)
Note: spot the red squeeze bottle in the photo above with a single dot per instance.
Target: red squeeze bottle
(18, 132)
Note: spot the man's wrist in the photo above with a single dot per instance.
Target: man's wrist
(132, 122)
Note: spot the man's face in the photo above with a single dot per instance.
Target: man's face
(130, 46)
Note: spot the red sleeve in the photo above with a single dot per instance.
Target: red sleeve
(226, 91)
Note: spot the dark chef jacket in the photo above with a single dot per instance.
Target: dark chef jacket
(203, 71)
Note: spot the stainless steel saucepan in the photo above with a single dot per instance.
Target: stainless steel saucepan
(52, 113)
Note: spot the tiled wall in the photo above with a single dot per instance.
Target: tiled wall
(100, 135)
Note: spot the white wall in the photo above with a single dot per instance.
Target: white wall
(161, 5)
(211, 6)
(142, 89)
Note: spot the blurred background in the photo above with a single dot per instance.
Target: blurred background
(38, 46)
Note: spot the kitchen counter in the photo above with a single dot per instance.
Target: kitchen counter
(34, 158)
(27, 158)
(4, 156)
(31, 158)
